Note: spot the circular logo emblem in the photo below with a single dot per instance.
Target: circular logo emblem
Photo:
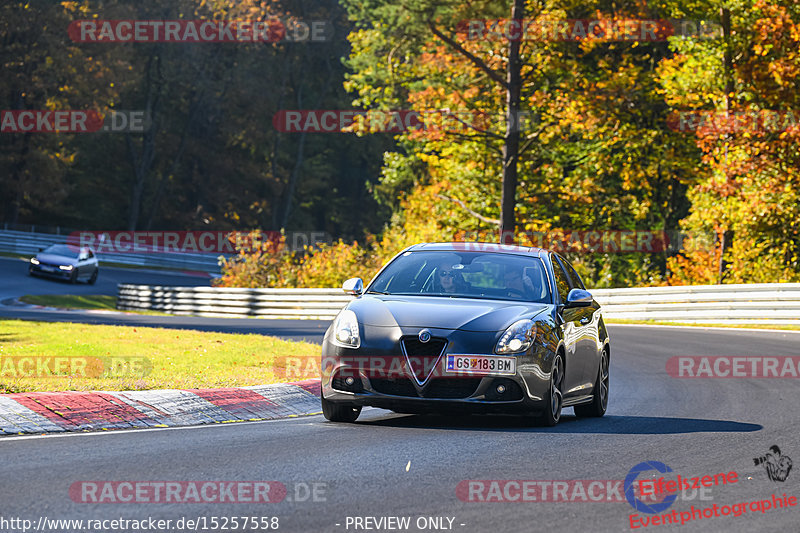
(636, 503)
(424, 335)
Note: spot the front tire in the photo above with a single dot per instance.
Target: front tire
(73, 278)
(336, 412)
(93, 278)
(554, 399)
(599, 403)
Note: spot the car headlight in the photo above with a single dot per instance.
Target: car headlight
(517, 338)
(34, 261)
(66, 267)
(345, 330)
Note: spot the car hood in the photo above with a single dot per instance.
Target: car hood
(441, 312)
(55, 259)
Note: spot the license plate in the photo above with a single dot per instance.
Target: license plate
(48, 269)
(481, 364)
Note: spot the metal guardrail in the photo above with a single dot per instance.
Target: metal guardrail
(320, 304)
(29, 243)
(770, 303)
(762, 303)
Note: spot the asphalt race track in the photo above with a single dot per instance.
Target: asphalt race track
(389, 465)
(410, 466)
(14, 282)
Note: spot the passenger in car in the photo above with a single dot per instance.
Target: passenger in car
(519, 285)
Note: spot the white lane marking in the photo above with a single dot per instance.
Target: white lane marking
(700, 326)
(308, 420)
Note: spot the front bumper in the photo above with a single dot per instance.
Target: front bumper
(348, 376)
(49, 271)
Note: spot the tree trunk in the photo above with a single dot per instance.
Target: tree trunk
(728, 235)
(511, 138)
(143, 162)
(18, 178)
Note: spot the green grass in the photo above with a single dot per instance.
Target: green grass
(91, 301)
(68, 301)
(786, 327)
(136, 358)
(16, 256)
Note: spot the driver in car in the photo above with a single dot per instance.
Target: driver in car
(449, 280)
(518, 285)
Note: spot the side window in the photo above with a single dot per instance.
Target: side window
(562, 285)
(573, 276)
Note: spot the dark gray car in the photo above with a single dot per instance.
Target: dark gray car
(67, 262)
(468, 327)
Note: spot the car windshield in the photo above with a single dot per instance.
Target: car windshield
(62, 250)
(465, 274)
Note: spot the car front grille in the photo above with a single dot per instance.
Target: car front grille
(451, 388)
(432, 348)
(443, 388)
(395, 387)
(423, 356)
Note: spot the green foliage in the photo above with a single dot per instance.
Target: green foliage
(597, 150)
(217, 161)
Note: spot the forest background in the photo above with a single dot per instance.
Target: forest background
(605, 147)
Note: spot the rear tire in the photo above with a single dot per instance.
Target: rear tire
(554, 398)
(337, 412)
(599, 403)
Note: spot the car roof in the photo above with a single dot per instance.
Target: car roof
(488, 247)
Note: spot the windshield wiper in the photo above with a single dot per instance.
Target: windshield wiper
(375, 292)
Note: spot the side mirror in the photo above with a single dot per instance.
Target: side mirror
(578, 298)
(354, 286)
